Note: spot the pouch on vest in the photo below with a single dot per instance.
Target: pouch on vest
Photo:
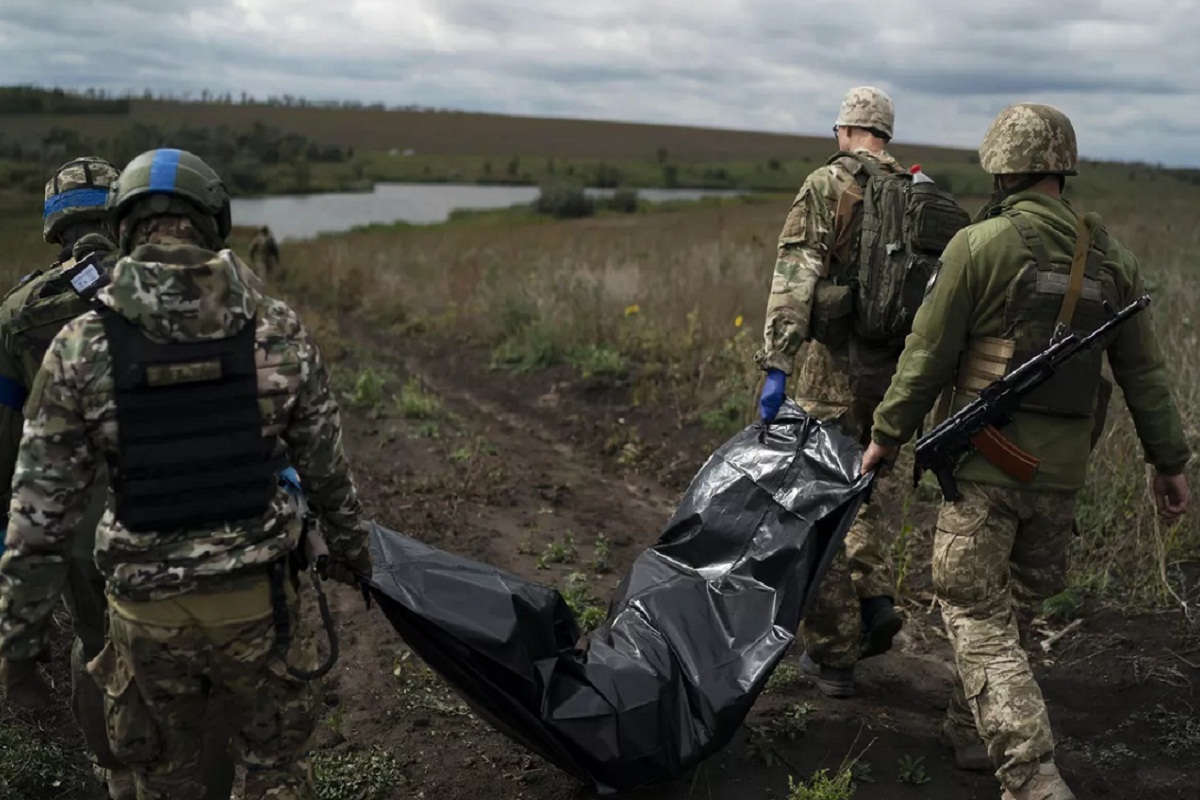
(832, 320)
(56, 303)
(190, 448)
(904, 228)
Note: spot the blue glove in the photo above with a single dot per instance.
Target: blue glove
(772, 395)
(290, 481)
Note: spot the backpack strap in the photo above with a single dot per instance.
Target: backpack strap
(1031, 238)
(863, 168)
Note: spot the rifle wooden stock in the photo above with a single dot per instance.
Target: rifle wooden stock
(1002, 453)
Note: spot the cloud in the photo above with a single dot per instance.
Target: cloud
(1123, 72)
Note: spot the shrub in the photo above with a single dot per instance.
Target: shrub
(564, 201)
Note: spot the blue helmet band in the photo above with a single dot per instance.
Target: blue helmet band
(75, 198)
(163, 169)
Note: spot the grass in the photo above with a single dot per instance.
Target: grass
(34, 766)
(667, 308)
(823, 786)
(347, 773)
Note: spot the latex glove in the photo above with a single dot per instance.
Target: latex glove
(878, 455)
(772, 395)
(290, 481)
(1171, 496)
(23, 686)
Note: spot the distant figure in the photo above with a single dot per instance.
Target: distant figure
(264, 253)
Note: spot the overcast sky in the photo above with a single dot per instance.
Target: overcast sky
(1126, 71)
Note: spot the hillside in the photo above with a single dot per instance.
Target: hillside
(443, 133)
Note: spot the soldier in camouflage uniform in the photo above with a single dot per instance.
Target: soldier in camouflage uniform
(1027, 265)
(264, 254)
(809, 312)
(195, 388)
(74, 219)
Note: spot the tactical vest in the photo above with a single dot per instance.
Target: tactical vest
(191, 450)
(1041, 298)
(63, 297)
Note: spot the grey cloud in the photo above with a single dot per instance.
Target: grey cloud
(768, 64)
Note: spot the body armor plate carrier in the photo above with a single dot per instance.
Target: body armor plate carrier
(191, 449)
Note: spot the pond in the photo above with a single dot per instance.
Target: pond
(306, 216)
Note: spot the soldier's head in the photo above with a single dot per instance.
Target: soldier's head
(75, 200)
(1029, 144)
(866, 119)
(170, 197)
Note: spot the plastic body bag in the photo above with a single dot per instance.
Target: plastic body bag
(693, 633)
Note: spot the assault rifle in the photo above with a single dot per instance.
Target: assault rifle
(975, 427)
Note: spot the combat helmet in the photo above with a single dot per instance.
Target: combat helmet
(1031, 139)
(868, 107)
(169, 181)
(76, 192)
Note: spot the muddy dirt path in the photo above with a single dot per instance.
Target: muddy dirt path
(506, 474)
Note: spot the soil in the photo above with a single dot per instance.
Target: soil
(516, 462)
(1120, 690)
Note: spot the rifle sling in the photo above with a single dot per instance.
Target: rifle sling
(1006, 456)
(1083, 240)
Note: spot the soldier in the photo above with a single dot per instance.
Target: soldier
(195, 388)
(264, 253)
(1029, 264)
(839, 378)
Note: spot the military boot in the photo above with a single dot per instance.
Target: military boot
(1047, 784)
(831, 681)
(881, 623)
(121, 784)
(969, 751)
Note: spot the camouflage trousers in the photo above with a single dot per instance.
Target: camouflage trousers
(84, 597)
(832, 629)
(993, 549)
(159, 681)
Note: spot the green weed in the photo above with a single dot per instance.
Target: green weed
(532, 348)
(368, 389)
(414, 402)
(823, 786)
(589, 610)
(786, 676)
(1064, 606)
(559, 552)
(912, 771)
(347, 773)
(599, 362)
(601, 555)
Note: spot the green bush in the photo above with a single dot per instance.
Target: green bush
(564, 201)
(624, 200)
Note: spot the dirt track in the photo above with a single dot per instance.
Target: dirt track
(520, 462)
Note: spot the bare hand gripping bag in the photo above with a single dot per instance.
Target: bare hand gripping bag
(694, 632)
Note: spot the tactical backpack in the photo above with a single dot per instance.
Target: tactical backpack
(904, 224)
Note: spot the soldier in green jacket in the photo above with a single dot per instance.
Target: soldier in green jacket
(1028, 264)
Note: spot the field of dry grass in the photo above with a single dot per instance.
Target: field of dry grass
(669, 307)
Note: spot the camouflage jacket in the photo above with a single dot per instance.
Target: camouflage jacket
(177, 293)
(967, 301)
(807, 253)
(31, 315)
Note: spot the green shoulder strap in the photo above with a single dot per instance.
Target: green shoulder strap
(1031, 238)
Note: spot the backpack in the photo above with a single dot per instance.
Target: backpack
(906, 222)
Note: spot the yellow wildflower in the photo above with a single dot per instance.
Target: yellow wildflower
(632, 310)
(737, 321)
